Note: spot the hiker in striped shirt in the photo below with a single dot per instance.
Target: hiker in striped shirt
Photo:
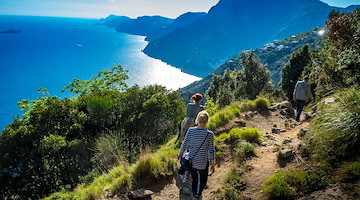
(200, 143)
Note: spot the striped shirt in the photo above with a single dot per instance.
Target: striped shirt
(193, 140)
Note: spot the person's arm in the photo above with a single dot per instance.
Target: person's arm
(309, 93)
(184, 145)
(294, 93)
(212, 153)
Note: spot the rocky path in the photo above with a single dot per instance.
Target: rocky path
(266, 162)
(259, 168)
(172, 191)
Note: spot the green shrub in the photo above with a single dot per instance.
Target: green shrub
(275, 187)
(221, 118)
(100, 108)
(278, 185)
(121, 184)
(156, 165)
(234, 135)
(221, 137)
(110, 150)
(306, 181)
(248, 134)
(244, 150)
(247, 105)
(61, 196)
(232, 186)
(350, 171)
(218, 141)
(146, 169)
(262, 103)
(89, 178)
(119, 179)
(251, 135)
(337, 127)
(211, 107)
(228, 113)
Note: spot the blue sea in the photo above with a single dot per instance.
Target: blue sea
(50, 51)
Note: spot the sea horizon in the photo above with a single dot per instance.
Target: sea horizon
(48, 52)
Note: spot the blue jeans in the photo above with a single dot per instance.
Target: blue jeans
(199, 185)
(299, 107)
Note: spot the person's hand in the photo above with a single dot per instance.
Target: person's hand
(212, 169)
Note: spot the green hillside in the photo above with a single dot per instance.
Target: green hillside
(274, 55)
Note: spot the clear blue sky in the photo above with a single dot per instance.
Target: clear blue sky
(102, 8)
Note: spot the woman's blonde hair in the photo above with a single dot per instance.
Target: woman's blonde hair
(202, 117)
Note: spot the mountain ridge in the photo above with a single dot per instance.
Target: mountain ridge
(232, 26)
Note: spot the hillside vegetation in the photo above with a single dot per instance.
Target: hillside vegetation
(59, 143)
(111, 139)
(274, 55)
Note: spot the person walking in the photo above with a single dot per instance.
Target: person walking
(192, 109)
(302, 94)
(199, 142)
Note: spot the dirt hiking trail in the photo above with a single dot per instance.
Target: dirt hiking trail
(258, 169)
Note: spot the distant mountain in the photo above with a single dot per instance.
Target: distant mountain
(12, 31)
(153, 27)
(232, 26)
(181, 21)
(140, 26)
(274, 54)
(113, 21)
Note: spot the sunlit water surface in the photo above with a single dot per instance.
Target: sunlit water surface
(49, 52)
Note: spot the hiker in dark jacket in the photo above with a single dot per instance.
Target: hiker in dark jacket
(302, 94)
(199, 141)
(192, 109)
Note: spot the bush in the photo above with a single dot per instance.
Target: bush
(154, 166)
(350, 171)
(234, 136)
(221, 137)
(101, 109)
(228, 113)
(278, 185)
(211, 107)
(119, 179)
(244, 150)
(222, 117)
(262, 103)
(217, 141)
(120, 185)
(275, 187)
(61, 196)
(89, 178)
(337, 127)
(306, 181)
(251, 135)
(248, 134)
(110, 150)
(247, 105)
(232, 186)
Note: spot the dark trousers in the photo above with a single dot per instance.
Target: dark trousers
(199, 185)
(299, 107)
